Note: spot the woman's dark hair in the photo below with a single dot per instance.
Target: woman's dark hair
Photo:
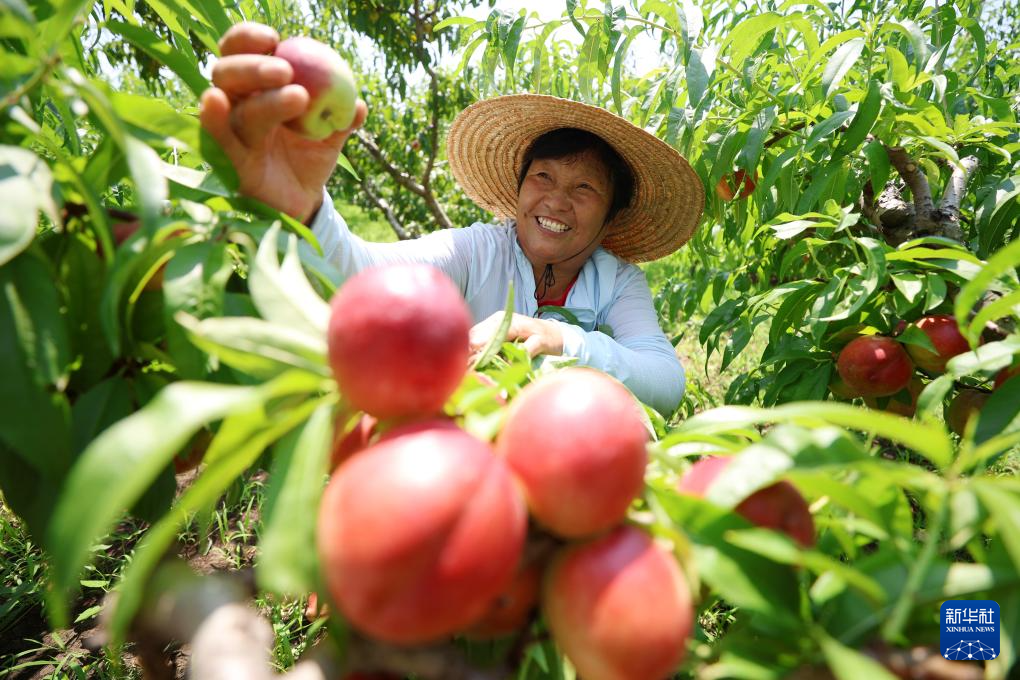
(570, 142)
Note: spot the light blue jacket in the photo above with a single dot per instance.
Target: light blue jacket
(610, 296)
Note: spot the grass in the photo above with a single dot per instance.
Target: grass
(28, 649)
(365, 224)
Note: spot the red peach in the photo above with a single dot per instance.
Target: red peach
(897, 403)
(874, 366)
(398, 340)
(1005, 374)
(738, 186)
(619, 607)
(346, 444)
(512, 609)
(576, 443)
(417, 535)
(945, 336)
(964, 406)
(778, 506)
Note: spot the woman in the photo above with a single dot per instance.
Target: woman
(583, 195)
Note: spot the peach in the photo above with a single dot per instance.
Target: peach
(417, 535)
(329, 82)
(398, 340)
(898, 403)
(619, 607)
(945, 335)
(874, 366)
(778, 506)
(964, 406)
(576, 443)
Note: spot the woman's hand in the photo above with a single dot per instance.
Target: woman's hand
(540, 336)
(245, 113)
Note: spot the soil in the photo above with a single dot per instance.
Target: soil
(82, 643)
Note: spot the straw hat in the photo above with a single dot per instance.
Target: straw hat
(488, 140)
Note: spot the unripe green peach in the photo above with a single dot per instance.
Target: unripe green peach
(330, 84)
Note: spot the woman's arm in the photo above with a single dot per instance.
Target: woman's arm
(351, 254)
(638, 353)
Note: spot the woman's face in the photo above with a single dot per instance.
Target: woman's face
(561, 207)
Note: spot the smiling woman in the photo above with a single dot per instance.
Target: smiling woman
(571, 185)
(581, 195)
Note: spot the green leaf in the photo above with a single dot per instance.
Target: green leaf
(513, 40)
(214, 13)
(33, 356)
(744, 38)
(779, 547)
(693, 20)
(287, 561)
(258, 347)
(20, 9)
(1006, 259)
(345, 163)
(114, 471)
(1001, 413)
(909, 284)
(26, 186)
(847, 663)
(930, 441)
(99, 408)
(54, 30)
(239, 443)
(912, 335)
(996, 213)
(988, 357)
(281, 293)
(146, 171)
(82, 277)
(618, 67)
(136, 261)
(1003, 508)
(918, 41)
(864, 119)
(978, 35)
(454, 21)
(157, 117)
(143, 162)
(744, 579)
(194, 282)
(878, 165)
(827, 127)
(35, 308)
(840, 64)
(163, 52)
(499, 338)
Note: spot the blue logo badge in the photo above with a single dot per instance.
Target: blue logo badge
(970, 630)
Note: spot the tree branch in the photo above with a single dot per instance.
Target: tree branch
(401, 177)
(949, 207)
(957, 184)
(383, 205)
(426, 178)
(916, 181)
(231, 641)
